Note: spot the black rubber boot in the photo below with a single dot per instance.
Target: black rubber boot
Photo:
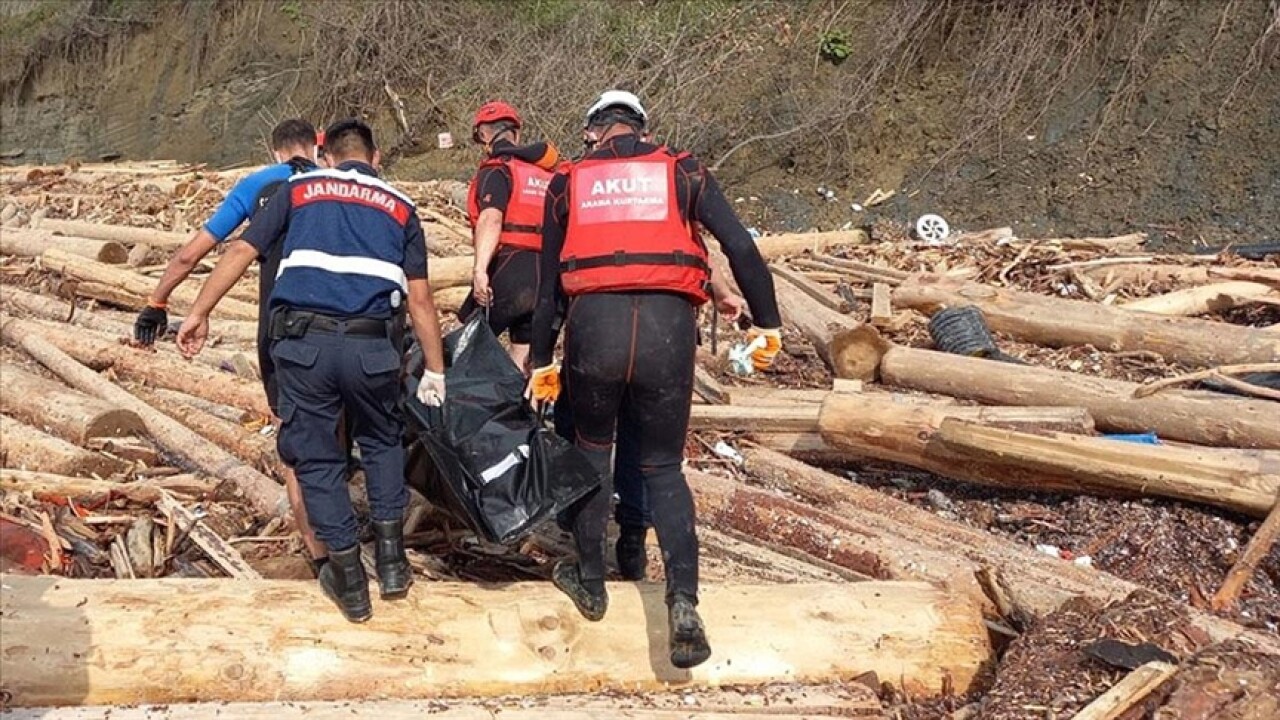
(633, 560)
(590, 598)
(317, 564)
(394, 574)
(689, 647)
(344, 581)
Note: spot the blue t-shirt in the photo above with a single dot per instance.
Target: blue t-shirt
(241, 203)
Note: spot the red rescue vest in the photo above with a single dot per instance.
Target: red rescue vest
(522, 220)
(625, 231)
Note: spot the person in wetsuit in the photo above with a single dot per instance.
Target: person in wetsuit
(620, 240)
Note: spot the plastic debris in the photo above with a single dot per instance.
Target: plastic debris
(932, 229)
(726, 451)
(740, 356)
(1146, 438)
(1083, 561)
(1053, 550)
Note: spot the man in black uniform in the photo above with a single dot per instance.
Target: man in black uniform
(353, 256)
(620, 236)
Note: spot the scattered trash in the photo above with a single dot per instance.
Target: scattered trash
(740, 356)
(724, 450)
(963, 331)
(267, 430)
(878, 197)
(739, 200)
(1083, 561)
(444, 140)
(1146, 438)
(1127, 656)
(932, 229)
(856, 207)
(1053, 550)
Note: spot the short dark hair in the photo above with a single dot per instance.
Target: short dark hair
(293, 133)
(349, 138)
(614, 114)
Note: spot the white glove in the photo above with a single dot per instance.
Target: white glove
(431, 389)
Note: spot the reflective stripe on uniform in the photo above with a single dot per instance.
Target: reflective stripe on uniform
(345, 264)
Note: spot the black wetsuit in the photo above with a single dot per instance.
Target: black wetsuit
(629, 359)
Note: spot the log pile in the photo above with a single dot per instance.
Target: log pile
(128, 470)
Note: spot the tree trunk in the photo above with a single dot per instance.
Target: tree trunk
(181, 299)
(116, 233)
(23, 447)
(264, 494)
(915, 543)
(1053, 322)
(117, 642)
(1201, 418)
(1204, 299)
(104, 294)
(450, 299)
(941, 441)
(819, 324)
(159, 369)
(772, 247)
(33, 243)
(802, 417)
(57, 488)
(448, 272)
(71, 415)
(595, 709)
(251, 447)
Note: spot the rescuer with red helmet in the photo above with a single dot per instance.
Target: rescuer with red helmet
(504, 206)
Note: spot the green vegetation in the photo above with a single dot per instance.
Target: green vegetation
(835, 47)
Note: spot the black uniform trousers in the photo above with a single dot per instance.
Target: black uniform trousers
(322, 375)
(629, 364)
(632, 510)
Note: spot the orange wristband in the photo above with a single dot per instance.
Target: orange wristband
(157, 305)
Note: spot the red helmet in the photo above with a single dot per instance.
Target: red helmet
(495, 111)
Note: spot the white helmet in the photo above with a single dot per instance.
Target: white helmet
(618, 98)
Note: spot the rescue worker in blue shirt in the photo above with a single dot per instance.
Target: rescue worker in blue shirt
(353, 256)
(294, 145)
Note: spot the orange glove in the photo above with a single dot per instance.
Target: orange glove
(765, 353)
(544, 385)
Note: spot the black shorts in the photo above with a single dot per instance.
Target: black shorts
(513, 277)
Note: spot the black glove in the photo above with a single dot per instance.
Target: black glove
(151, 322)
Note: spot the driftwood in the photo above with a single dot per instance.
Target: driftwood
(265, 495)
(117, 642)
(115, 233)
(254, 448)
(1221, 374)
(160, 369)
(33, 243)
(26, 448)
(1202, 418)
(1054, 322)
(424, 709)
(1258, 547)
(1133, 689)
(1204, 299)
(819, 324)
(67, 413)
(215, 548)
(136, 284)
(57, 488)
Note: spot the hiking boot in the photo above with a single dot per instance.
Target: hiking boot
(394, 574)
(589, 596)
(344, 581)
(633, 560)
(689, 647)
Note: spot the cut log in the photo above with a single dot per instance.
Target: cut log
(1244, 481)
(266, 496)
(57, 488)
(707, 387)
(796, 418)
(1133, 689)
(1221, 374)
(772, 247)
(33, 243)
(160, 369)
(132, 282)
(1054, 322)
(254, 448)
(1254, 552)
(450, 299)
(105, 294)
(1201, 418)
(1204, 299)
(881, 305)
(448, 272)
(911, 542)
(26, 448)
(939, 440)
(117, 642)
(1164, 275)
(425, 710)
(115, 233)
(825, 297)
(819, 324)
(54, 407)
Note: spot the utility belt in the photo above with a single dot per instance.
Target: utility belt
(287, 323)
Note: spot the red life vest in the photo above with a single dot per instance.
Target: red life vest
(522, 220)
(625, 230)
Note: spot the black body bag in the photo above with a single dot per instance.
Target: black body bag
(486, 457)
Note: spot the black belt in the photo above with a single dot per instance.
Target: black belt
(531, 229)
(624, 258)
(297, 323)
